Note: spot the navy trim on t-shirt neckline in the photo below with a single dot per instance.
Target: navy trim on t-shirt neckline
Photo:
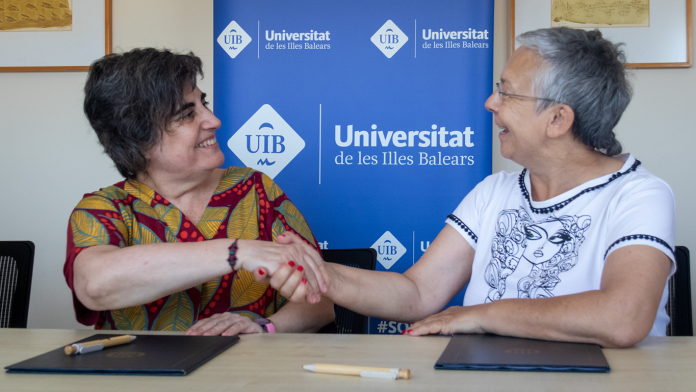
(558, 206)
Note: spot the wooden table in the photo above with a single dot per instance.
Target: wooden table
(274, 363)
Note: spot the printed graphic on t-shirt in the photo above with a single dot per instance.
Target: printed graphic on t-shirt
(544, 249)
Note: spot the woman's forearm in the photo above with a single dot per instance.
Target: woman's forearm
(303, 317)
(424, 289)
(108, 277)
(386, 295)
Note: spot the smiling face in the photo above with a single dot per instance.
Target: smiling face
(522, 129)
(189, 145)
(544, 240)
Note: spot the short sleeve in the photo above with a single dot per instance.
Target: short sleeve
(644, 215)
(95, 221)
(466, 218)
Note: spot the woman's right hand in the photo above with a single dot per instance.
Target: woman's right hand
(285, 261)
(288, 279)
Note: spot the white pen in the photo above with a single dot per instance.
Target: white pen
(362, 371)
(96, 345)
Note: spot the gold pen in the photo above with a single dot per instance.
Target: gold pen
(362, 371)
(96, 345)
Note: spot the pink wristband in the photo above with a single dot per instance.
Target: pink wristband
(266, 324)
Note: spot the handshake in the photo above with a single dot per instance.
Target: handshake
(289, 265)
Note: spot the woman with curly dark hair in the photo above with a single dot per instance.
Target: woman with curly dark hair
(180, 244)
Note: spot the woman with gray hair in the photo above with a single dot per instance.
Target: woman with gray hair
(176, 245)
(576, 247)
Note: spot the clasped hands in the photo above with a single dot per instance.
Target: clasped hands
(290, 265)
(287, 277)
(298, 272)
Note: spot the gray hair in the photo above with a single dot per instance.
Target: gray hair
(587, 73)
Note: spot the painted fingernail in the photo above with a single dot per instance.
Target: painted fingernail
(261, 272)
(300, 268)
(409, 331)
(291, 263)
(304, 280)
(403, 332)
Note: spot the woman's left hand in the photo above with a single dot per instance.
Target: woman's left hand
(455, 319)
(225, 324)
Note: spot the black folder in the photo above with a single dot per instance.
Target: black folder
(493, 352)
(153, 355)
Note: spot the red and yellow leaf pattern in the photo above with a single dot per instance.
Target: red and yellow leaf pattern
(234, 176)
(271, 188)
(247, 204)
(208, 289)
(133, 318)
(171, 215)
(121, 227)
(245, 290)
(176, 315)
(278, 229)
(143, 208)
(295, 220)
(96, 203)
(211, 220)
(140, 191)
(244, 220)
(112, 193)
(87, 230)
(144, 235)
(127, 215)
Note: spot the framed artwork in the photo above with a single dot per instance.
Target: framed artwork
(656, 33)
(53, 35)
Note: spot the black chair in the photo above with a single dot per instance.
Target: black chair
(347, 321)
(16, 265)
(679, 301)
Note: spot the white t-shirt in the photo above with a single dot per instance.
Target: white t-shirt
(529, 249)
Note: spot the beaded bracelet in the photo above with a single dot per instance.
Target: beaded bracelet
(232, 259)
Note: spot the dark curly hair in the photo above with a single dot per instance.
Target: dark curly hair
(131, 97)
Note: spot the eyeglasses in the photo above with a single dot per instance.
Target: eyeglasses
(501, 93)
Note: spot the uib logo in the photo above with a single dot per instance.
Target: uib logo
(266, 142)
(233, 39)
(389, 250)
(389, 39)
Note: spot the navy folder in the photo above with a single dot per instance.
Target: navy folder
(155, 355)
(493, 352)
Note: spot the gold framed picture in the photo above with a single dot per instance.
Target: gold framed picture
(53, 35)
(656, 33)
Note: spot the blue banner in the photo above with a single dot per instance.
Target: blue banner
(368, 114)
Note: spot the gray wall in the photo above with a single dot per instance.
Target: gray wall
(50, 157)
